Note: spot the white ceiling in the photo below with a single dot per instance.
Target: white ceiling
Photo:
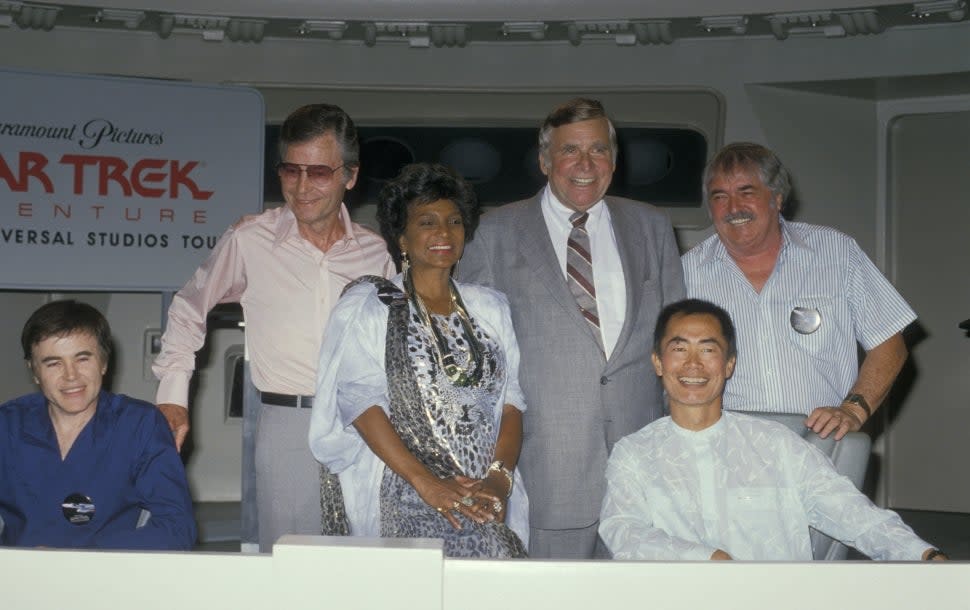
(480, 10)
(457, 22)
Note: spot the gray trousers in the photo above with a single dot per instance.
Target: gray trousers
(281, 478)
(579, 543)
(249, 536)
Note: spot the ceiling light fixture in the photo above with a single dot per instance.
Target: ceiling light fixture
(7, 9)
(213, 29)
(370, 34)
(449, 34)
(536, 30)
(37, 17)
(246, 30)
(129, 19)
(861, 22)
(955, 10)
(572, 34)
(653, 32)
(416, 33)
(166, 23)
(736, 24)
(619, 31)
(333, 29)
(783, 24)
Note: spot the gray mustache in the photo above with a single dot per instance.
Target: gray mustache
(739, 216)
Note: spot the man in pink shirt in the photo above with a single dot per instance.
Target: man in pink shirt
(287, 268)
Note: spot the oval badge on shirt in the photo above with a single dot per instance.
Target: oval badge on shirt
(78, 509)
(806, 320)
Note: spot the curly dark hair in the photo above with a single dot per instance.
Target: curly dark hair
(419, 184)
(61, 318)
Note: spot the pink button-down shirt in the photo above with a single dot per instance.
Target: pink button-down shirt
(286, 286)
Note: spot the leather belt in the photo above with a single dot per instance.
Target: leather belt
(286, 400)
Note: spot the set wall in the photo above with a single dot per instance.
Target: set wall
(213, 455)
(928, 162)
(15, 379)
(829, 144)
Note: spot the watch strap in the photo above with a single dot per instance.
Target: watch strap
(860, 400)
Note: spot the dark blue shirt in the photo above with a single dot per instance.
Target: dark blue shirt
(124, 461)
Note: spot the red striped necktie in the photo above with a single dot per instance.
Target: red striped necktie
(579, 271)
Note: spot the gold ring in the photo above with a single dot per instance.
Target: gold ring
(456, 505)
(497, 506)
(439, 509)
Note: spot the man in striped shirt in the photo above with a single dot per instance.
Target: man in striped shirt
(803, 296)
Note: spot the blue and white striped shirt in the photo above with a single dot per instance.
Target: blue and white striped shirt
(818, 268)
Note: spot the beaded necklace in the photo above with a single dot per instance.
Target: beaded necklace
(446, 359)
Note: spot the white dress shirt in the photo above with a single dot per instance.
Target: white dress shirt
(746, 486)
(607, 268)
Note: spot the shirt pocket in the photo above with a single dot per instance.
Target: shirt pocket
(834, 324)
(753, 500)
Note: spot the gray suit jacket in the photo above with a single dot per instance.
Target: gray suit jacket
(579, 404)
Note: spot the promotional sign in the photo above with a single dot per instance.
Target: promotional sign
(121, 184)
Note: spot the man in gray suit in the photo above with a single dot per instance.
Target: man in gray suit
(586, 276)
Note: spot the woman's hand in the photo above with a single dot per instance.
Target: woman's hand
(497, 488)
(460, 495)
(490, 493)
(481, 500)
(448, 496)
(487, 494)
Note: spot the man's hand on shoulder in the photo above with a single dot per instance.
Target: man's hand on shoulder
(177, 417)
(839, 420)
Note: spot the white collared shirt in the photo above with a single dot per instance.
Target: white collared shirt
(607, 268)
(286, 286)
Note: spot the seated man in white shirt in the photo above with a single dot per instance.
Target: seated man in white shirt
(706, 484)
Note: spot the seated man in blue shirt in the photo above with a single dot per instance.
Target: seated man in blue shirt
(706, 484)
(80, 467)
